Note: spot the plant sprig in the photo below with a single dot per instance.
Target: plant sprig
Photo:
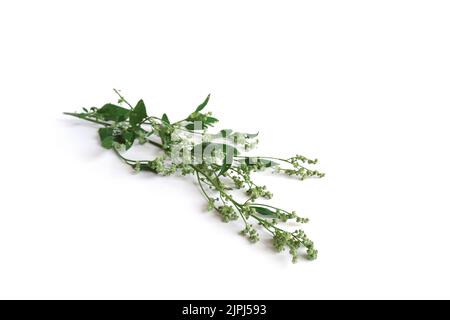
(214, 159)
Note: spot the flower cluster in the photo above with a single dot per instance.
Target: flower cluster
(248, 211)
(259, 192)
(228, 213)
(299, 169)
(251, 233)
(304, 173)
(299, 158)
(199, 117)
(211, 204)
(160, 166)
(294, 241)
(238, 182)
(284, 215)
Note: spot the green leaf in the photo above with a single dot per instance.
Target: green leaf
(141, 134)
(138, 114)
(165, 119)
(166, 137)
(147, 167)
(189, 126)
(264, 162)
(128, 138)
(264, 211)
(224, 168)
(203, 104)
(112, 112)
(229, 153)
(268, 163)
(200, 126)
(226, 148)
(209, 121)
(106, 137)
(225, 133)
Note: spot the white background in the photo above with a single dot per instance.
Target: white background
(362, 85)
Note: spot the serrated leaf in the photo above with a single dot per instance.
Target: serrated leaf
(138, 114)
(112, 112)
(264, 211)
(203, 104)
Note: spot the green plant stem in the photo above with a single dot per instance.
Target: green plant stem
(122, 98)
(159, 145)
(76, 115)
(201, 186)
